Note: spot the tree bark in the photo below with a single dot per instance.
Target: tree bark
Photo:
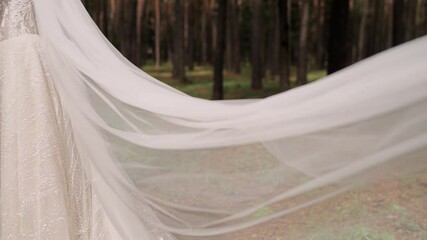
(367, 31)
(256, 44)
(284, 59)
(178, 48)
(273, 45)
(411, 19)
(125, 29)
(218, 91)
(388, 15)
(206, 32)
(236, 39)
(233, 37)
(421, 18)
(157, 31)
(317, 47)
(189, 32)
(398, 22)
(139, 28)
(302, 44)
(338, 47)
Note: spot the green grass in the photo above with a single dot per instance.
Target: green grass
(263, 212)
(236, 86)
(405, 220)
(368, 233)
(357, 232)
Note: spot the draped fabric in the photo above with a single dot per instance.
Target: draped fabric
(45, 193)
(159, 159)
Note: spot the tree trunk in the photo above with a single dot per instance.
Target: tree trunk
(338, 49)
(362, 33)
(236, 39)
(398, 22)
(302, 43)
(218, 92)
(168, 25)
(284, 59)
(191, 21)
(388, 15)
(372, 35)
(273, 45)
(113, 18)
(139, 27)
(233, 37)
(157, 31)
(411, 20)
(178, 48)
(126, 30)
(117, 23)
(207, 32)
(256, 45)
(421, 17)
(105, 20)
(367, 31)
(317, 47)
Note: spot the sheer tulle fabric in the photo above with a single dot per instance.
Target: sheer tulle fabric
(159, 158)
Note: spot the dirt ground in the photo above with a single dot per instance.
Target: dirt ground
(388, 210)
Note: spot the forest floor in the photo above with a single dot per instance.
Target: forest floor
(236, 86)
(394, 209)
(388, 210)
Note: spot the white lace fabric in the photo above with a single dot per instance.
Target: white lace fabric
(16, 18)
(36, 198)
(44, 191)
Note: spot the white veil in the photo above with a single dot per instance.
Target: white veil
(204, 167)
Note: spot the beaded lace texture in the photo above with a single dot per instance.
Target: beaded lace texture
(45, 193)
(16, 18)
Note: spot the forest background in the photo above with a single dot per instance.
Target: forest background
(253, 48)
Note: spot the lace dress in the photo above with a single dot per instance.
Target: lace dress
(44, 191)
